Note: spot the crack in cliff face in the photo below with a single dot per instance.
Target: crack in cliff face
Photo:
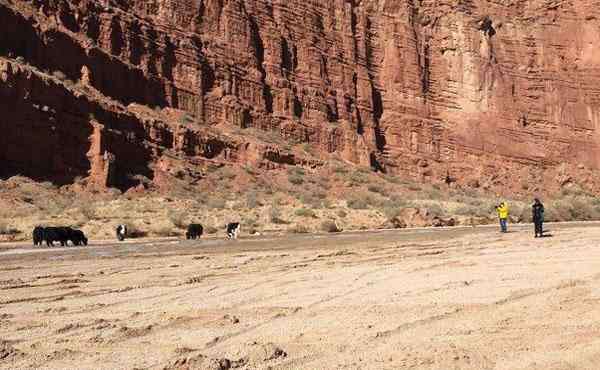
(260, 56)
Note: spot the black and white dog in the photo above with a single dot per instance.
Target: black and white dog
(194, 231)
(233, 230)
(121, 232)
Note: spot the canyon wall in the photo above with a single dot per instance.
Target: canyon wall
(485, 93)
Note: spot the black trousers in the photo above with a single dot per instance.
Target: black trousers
(539, 230)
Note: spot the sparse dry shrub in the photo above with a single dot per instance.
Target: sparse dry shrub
(253, 200)
(364, 201)
(393, 179)
(187, 119)
(164, 231)
(432, 193)
(226, 173)
(305, 212)
(391, 212)
(276, 217)
(88, 211)
(341, 170)
(357, 203)
(358, 178)
(216, 203)
(211, 229)
(7, 230)
(398, 201)
(250, 222)
(178, 219)
(330, 227)
(414, 187)
(435, 210)
(313, 199)
(249, 170)
(376, 188)
(296, 175)
(300, 229)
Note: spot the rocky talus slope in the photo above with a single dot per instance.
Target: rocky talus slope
(485, 93)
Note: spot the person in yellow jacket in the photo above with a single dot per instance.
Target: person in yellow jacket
(502, 210)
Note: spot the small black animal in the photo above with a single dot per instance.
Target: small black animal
(233, 230)
(38, 235)
(78, 237)
(57, 234)
(121, 232)
(194, 231)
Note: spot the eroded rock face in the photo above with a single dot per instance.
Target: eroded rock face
(494, 94)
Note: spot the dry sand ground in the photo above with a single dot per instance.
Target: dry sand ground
(458, 299)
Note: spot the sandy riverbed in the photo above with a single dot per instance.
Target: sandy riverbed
(465, 299)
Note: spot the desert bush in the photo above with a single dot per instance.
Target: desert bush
(364, 202)
(432, 193)
(313, 199)
(323, 183)
(397, 201)
(88, 211)
(358, 178)
(295, 179)
(276, 217)
(376, 188)
(393, 179)
(330, 227)
(477, 210)
(226, 173)
(164, 231)
(296, 175)
(58, 206)
(435, 210)
(250, 221)
(178, 219)
(305, 212)
(357, 203)
(341, 169)
(249, 170)
(391, 212)
(576, 208)
(211, 229)
(7, 230)
(300, 229)
(216, 203)
(187, 118)
(253, 200)
(414, 187)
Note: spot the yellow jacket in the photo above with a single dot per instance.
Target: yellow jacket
(502, 211)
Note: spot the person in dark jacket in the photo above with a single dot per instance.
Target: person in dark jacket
(537, 210)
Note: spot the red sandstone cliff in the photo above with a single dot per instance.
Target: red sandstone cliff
(484, 93)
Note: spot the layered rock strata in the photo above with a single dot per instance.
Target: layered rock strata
(485, 93)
